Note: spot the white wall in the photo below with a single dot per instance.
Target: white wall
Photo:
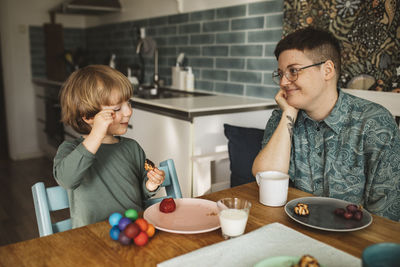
(15, 18)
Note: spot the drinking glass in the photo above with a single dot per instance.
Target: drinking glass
(233, 215)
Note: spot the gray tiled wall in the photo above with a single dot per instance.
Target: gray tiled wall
(73, 39)
(38, 60)
(230, 49)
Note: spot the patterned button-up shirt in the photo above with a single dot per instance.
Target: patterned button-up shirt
(353, 154)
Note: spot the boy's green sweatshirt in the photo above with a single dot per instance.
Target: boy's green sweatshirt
(112, 180)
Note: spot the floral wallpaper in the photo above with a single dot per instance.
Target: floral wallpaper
(369, 32)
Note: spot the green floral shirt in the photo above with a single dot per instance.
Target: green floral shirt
(353, 154)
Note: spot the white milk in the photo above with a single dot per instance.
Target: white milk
(233, 221)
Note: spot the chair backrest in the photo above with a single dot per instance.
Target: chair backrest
(46, 200)
(171, 183)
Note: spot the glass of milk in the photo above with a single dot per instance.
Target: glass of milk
(233, 215)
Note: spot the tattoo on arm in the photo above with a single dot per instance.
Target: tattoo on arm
(290, 126)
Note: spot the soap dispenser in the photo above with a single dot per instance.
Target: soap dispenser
(134, 81)
(189, 80)
(178, 74)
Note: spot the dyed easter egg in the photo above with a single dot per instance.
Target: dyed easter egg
(114, 233)
(123, 239)
(141, 239)
(123, 223)
(142, 223)
(114, 218)
(131, 214)
(132, 230)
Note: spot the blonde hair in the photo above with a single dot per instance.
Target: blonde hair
(86, 90)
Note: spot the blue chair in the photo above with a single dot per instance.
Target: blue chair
(55, 198)
(170, 183)
(46, 200)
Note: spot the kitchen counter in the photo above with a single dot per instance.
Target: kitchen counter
(186, 108)
(190, 130)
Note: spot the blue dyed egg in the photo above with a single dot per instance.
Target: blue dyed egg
(114, 233)
(114, 218)
(123, 223)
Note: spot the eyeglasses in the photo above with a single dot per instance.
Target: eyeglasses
(291, 73)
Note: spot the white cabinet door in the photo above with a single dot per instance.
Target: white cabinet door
(211, 170)
(163, 137)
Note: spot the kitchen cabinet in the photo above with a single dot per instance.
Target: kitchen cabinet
(50, 130)
(195, 142)
(163, 137)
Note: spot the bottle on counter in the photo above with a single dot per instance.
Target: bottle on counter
(176, 76)
(178, 73)
(189, 80)
(112, 63)
(134, 81)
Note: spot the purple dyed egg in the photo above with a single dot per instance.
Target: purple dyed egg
(123, 223)
(123, 239)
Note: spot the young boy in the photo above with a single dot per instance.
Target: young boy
(102, 171)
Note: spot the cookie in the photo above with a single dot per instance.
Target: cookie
(307, 261)
(301, 209)
(149, 165)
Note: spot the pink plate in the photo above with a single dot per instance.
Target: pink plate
(192, 216)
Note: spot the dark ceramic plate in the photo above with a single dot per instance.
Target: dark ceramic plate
(322, 214)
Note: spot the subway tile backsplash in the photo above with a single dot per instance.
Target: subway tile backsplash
(230, 49)
(38, 58)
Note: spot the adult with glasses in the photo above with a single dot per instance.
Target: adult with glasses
(331, 143)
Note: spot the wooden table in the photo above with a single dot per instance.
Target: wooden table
(92, 246)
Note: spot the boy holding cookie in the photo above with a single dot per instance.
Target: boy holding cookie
(102, 171)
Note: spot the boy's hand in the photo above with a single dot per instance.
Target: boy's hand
(155, 179)
(101, 122)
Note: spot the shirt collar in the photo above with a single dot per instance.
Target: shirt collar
(336, 118)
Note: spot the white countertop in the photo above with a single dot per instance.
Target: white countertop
(193, 104)
(208, 103)
(225, 102)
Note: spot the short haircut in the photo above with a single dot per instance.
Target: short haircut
(86, 90)
(318, 45)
